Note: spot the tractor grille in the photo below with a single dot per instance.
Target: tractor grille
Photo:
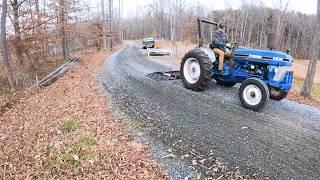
(241, 55)
(262, 57)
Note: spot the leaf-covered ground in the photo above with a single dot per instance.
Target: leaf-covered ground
(66, 131)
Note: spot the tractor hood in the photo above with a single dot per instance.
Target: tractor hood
(264, 56)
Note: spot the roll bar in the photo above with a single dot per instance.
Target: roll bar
(200, 21)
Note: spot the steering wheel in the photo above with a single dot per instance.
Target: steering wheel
(232, 46)
(235, 45)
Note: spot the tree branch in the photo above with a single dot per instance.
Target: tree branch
(40, 24)
(20, 3)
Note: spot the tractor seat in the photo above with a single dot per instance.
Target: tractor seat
(211, 46)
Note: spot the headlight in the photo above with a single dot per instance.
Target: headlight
(280, 72)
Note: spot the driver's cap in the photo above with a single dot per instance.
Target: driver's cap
(221, 26)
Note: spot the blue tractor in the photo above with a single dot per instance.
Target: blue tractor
(263, 74)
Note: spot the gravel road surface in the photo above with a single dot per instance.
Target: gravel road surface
(282, 142)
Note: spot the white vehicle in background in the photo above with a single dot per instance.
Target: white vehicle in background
(148, 43)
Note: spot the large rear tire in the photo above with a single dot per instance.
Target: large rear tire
(277, 95)
(254, 94)
(196, 70)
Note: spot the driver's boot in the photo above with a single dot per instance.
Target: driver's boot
(220, 65)
(220, 72)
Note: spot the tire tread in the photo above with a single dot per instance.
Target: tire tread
(265, 94)
(206, 70)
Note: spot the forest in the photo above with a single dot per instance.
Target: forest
(249, 25)
(38, 35)
(45, 31)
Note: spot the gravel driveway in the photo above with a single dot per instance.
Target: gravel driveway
(281, 142)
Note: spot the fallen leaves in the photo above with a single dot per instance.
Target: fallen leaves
(295, 96)
(69, 122)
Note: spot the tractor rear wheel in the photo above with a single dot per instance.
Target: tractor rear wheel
(277, 95)
(254, 94)
(196, 70)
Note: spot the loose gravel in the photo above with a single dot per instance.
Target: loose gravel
(210, 130)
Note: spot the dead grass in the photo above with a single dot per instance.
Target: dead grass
(179, 49)
(5, 94)
(298, 84)
(4, 87)
(76, 152)
(70, 124)
(300, 68)
(45, 68)
(66, 131)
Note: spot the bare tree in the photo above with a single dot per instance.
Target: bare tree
(23, 78)
(110, 23)
(308, 83)
(5, 58)
(63, 22)
(103, 19)
(161, 19)
(41, 31)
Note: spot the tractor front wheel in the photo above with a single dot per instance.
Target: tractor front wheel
(254, 94)
(277, 95)
(196, 70)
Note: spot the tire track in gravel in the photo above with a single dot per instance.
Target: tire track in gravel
(281, 142)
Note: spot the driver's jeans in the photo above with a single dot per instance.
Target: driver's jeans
(222, 55)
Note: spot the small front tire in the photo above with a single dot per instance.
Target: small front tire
(254, 94)
(277, 95)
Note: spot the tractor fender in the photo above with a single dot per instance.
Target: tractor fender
(209, 53)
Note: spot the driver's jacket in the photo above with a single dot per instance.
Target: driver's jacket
(219, 40)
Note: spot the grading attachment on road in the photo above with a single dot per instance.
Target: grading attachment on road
(162, 76)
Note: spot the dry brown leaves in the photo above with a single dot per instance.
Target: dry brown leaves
(295, 96)
(32, 144)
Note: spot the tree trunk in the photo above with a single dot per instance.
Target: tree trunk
(5, 58)
(23, 79)
(17, 37)
(64, 43)
(103, 19)
(110, 24)
(308, 83)
(65, 51)
(45, 44)
(172, 28)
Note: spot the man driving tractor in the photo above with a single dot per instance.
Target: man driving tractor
(219, 43)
